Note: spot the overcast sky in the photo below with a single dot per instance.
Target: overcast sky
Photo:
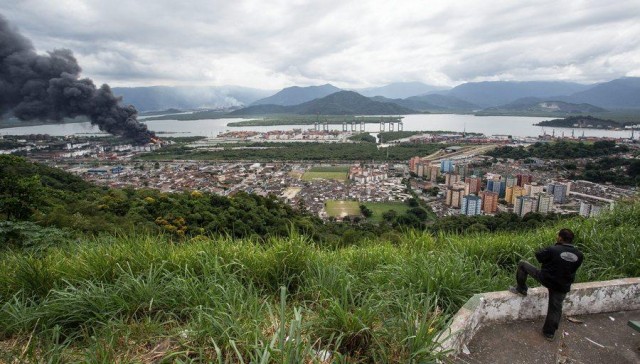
(274, 44)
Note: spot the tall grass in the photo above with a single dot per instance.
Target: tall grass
(143, 298)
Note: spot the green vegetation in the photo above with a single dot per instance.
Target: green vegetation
(339, 173)
(57, 203)
(560, 150)
(113, 298)
(387, 136)
(337, 208)
(501, 221)
(619, 171)
(338, 103)
(583, 122)
(363, 137)
(379, 208)
(53, 198)
(296, 152)
(606, 166)
(89, 274)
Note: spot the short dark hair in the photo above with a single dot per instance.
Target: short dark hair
(566, 235)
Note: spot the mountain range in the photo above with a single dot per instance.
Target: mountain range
(297, 95)
(156, 98)
(619, 94)
(337, 103)
(491, 94)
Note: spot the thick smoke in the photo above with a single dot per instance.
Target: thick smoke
(48, 87)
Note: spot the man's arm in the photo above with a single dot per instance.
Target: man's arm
(543, 255)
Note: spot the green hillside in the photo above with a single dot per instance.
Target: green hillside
(339, 103)
(114, 298)
(142, 295)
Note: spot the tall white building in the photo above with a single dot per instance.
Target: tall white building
(559, 190)
(545, 203)
(525, 204)
(471, 205)
(533, 189)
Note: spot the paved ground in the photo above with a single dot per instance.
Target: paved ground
(602, 338)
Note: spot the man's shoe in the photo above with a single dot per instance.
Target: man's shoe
(517, 291)
(548, 337)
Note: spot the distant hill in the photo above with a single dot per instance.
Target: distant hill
(262, 110)
(445, 102)
(432, 103)
(410, 104)
(583, 122)
(339, 103)
(532, 105)
(623, 93)
(491, 94)
(297, 95)
(165, 97)
(399, 90)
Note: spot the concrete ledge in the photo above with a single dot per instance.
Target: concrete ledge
(504, 306)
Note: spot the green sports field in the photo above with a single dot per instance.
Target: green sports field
(338, 173)
(337, 208)
(378, 208)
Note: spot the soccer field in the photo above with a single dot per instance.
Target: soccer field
(378, 208)
(338, 173)
(338, 208)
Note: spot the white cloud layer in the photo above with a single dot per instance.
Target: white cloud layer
(273, 44)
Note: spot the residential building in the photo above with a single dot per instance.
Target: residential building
(434, 172)
(545, 203)
(474, 184)
(590, 210)
(533, 189)
(454, 195)
(513, 192)
(446, 166)
(524, 179)
(559, 192)
(413, 164)
(489, 201)
(524, 205)
(498, 186)
(462, 170)
(597, 210)
(451, 178)
(471, 205)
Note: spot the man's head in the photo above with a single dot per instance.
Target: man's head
(565, 236)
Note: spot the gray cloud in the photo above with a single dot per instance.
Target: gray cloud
(350, 43)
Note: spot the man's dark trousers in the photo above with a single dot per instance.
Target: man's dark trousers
(554, 310)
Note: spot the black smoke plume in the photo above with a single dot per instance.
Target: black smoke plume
(48, 87)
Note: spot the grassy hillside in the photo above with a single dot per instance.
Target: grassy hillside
(140, 298)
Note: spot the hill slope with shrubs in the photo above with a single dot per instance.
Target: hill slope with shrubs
(146, 295)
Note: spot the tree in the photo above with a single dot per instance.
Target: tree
(390, 215)
(19, 197)
(419, 212)
(365, 211)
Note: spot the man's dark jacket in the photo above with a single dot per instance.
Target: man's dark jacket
(559, 265)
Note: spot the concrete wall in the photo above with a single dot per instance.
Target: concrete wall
(504, 306)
